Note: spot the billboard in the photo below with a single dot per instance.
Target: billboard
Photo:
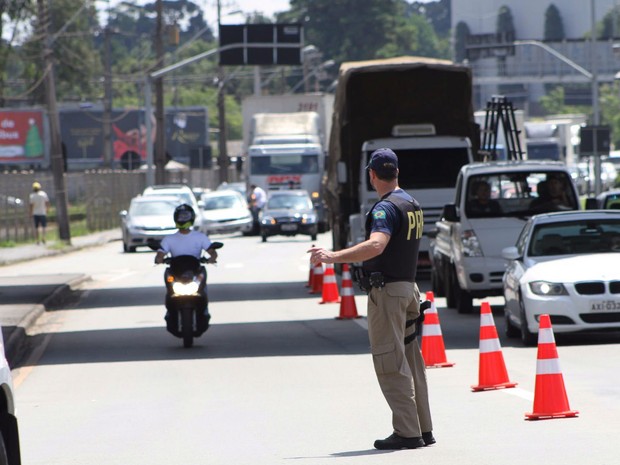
(22, 137)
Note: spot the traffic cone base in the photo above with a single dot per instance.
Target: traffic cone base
(550, 400)
(330, 293)
(492, 373)
(348, 309)
(432, 346)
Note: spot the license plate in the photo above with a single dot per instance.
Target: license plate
(289, 227)
(605, 306)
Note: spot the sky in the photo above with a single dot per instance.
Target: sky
(267, 7)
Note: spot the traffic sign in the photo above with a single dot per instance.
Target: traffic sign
(589, 134)
(261, 44)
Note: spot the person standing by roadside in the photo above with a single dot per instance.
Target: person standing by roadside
(39, 205)
(389, 255)
(258, 199)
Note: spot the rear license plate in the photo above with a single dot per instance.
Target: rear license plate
(289, 227)
(605, 306)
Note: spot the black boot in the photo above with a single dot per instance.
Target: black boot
(395, 442)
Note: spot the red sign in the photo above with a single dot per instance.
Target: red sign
(283, 179)
(21, 136)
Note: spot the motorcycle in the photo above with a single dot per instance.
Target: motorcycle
(187, 314)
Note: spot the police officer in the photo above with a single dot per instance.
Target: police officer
(389, 255)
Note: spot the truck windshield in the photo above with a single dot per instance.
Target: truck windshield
(279, 164)
(519, 194)
(543, 151)
(427, 168)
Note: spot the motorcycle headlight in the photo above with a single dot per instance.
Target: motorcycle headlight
(190, 288)
(471, 244)
(547, 289)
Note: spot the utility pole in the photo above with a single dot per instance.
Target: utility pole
(223, 160)
(160, 134)
(107, 101)
(57, 160)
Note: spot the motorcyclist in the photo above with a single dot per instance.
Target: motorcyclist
(186, 242)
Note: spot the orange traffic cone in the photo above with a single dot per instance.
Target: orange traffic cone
(550, 399)
(348, 309)
(433, 349)
(330, 286)
(317, 279)
(492, 372)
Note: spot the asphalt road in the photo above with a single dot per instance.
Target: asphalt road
(277, 379)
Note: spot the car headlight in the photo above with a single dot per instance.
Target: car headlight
(546, 288)
(471, 244)
(268, 220)
(308, 219)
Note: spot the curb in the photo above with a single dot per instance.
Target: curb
(15, 344)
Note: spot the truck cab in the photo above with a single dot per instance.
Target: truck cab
(428, 168)
(492, 203)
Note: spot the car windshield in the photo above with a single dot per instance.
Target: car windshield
(218, 203)
(519, 194)
(186, 197)
(575, 237)
(289, 202)
(155, 208)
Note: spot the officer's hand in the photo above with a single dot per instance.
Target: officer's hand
(320, 255)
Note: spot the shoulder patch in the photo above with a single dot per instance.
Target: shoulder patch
(379, 215)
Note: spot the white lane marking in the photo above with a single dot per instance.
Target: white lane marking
(233, 265)
(518, 392)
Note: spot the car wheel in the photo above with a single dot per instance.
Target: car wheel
(313, 237)
(264, 238)
(510, 330)
(528, 338)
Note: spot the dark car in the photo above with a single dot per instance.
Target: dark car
(288, 213)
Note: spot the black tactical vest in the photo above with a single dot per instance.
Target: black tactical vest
(399, 260)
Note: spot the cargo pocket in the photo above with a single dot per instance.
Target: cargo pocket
(384, 358)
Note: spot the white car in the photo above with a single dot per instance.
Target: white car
(225, 211)
(9, 437)
(566, 265)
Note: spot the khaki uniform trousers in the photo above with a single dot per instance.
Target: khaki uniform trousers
(400, 368)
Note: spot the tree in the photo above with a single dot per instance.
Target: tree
(460, 41)
(346, 30)
(554, 27)
(505, 22)
(610, 25)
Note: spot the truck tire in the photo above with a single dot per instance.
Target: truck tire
(451, 282)
(463, 301)
(437, 284)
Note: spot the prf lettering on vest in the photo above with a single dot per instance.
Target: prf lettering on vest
(416, 221)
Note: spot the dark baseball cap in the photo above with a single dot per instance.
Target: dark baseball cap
(384, 161)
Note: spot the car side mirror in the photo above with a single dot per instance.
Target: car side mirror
(591, 203)
(449, 212)
(201, 204)
(511, 253)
